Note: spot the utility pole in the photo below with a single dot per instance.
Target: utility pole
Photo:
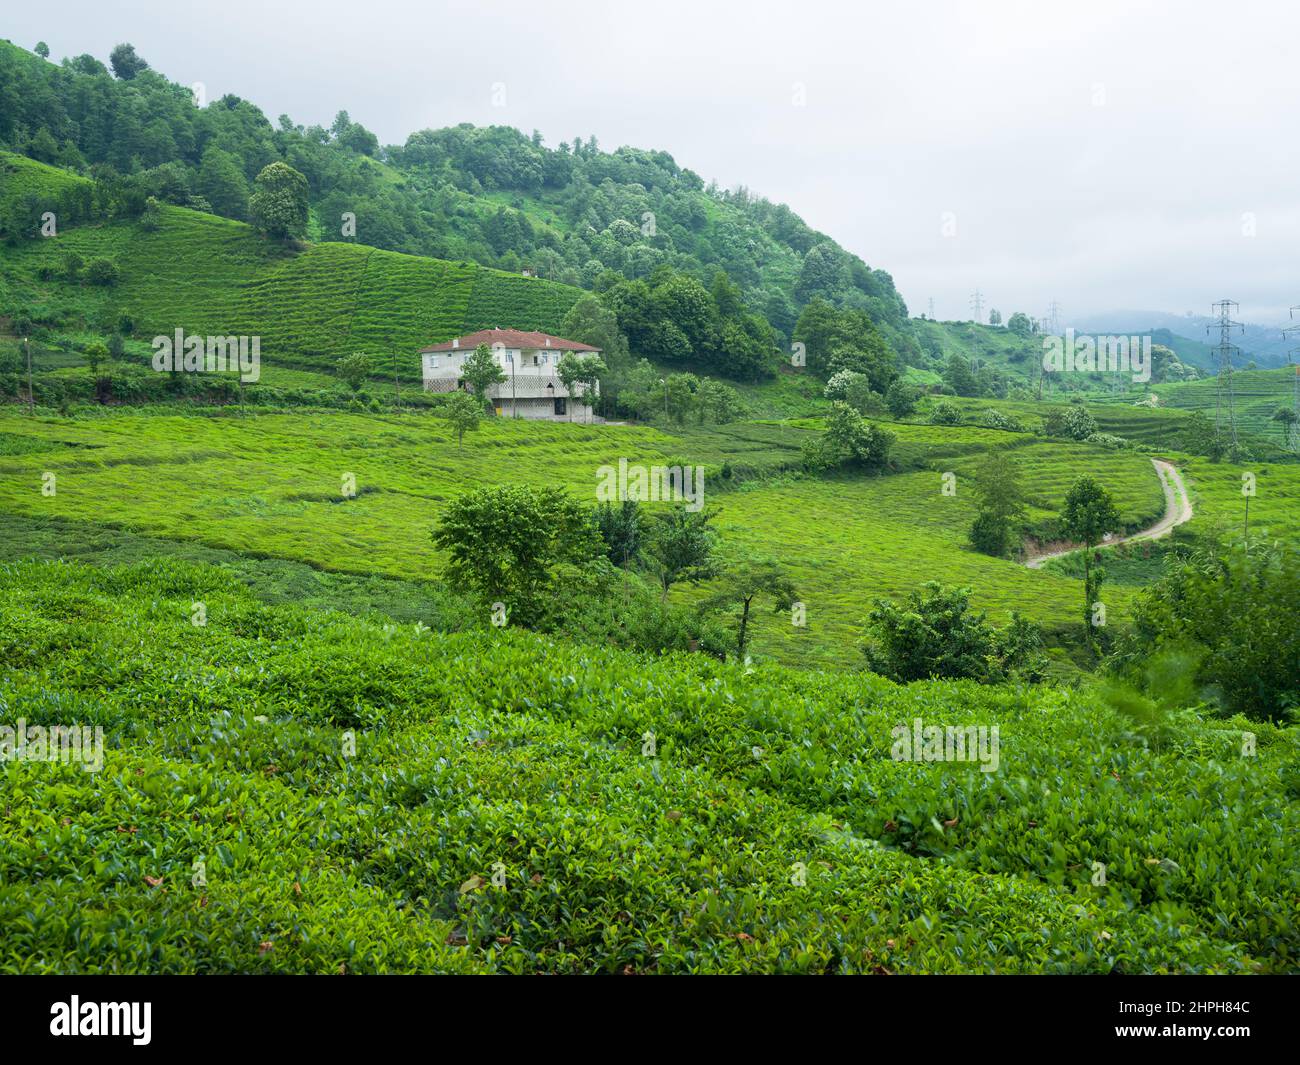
(31, 394)
(932, 308)
(977, 304)
(1224, 391)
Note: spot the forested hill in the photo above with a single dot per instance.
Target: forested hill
(491, 195)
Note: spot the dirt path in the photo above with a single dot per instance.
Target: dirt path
(1178, 509)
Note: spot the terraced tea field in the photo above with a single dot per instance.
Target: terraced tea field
(271, 485)
(210, 275)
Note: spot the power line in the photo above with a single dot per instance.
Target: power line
(1223, 390)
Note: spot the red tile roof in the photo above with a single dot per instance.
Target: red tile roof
(511, 338)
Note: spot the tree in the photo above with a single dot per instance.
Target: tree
(279, 202)
(96, 355)
(1074, 422)
(957, 375)
(507, 543)
(901, 399)
(1020, 324)
(1001, 504)
(945, 414)
(222, 183)
(744, 583)
(620, 529)
(849, 440)
(995, 317)
(125, 63)
(101, 271)
(935, 634)
(1088, 516)
(1286, 418)
(718, 403)
(1234, 609)
(682, 548)
(463, 411)
(584, 370)
(42, 49)
(354, 369)
(481, 371)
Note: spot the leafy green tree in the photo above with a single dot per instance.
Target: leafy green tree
(1234, 610)
(1286, 418)
(718, 403)
(278, 205)
(621, 530)
(747, 581)
(507, 544)
(463, 411)
(125, 63)
(901, 399)
(957, 375)
(42, 49)
(849, 441)
(995, 317)
(96, 356)
(1074, 422)
(481, 371)
(682, 547)
(1020, 324)
(1088, 516)
(354, 369)
(1001, 499)
(101, 271)
(943, 413)
(222, 183)
(936, 634)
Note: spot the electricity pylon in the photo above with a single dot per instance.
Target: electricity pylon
(1224, 392)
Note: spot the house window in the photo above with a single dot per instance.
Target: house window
(559, 405)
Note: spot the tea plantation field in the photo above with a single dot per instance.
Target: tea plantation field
(211, 275)
(289, 791)
(271, 485)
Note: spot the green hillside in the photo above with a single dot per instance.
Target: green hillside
(494, 196)
(1258, 394)
(210, 275)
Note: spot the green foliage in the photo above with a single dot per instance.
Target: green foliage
(1073, 422)
(278, 206)
(505, 544)
(936, 634)
(901, 399)
(480, 372)
(746, 581)
(621, 530)
(463, 411)
(850, 441)
(942, 413)
(354, 369)
(1236, 611)
(1001, 497)
(682, 546)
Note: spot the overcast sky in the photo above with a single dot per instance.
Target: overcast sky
(1105, 155)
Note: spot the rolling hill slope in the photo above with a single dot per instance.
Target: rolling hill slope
(211, 275)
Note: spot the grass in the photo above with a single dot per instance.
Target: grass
(295, 791)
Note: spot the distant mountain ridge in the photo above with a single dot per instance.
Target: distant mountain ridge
(1265, 345)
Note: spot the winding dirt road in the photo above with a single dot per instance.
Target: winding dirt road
(1178, 509)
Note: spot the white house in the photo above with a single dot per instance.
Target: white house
(532, 388)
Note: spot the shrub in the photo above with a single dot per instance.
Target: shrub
(937, 635)
(101, 271)
(945, 414)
